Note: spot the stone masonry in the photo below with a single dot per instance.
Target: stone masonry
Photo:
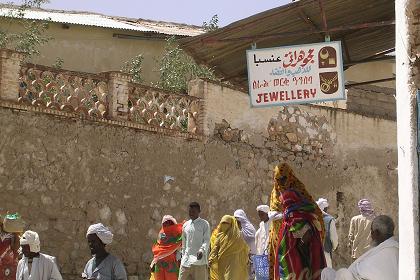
(63, 171)
(63, 174)
(372, 101)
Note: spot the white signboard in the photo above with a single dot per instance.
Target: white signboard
(295, 74)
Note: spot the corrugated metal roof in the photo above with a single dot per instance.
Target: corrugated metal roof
(98, 20)
(366, 28)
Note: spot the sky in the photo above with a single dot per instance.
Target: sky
(180, 11)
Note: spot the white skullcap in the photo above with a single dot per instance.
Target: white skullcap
(104, 234)
(168, 218)
(322, 203)
(328, 274)
(31, 238)
(263, 208)
(344, 274)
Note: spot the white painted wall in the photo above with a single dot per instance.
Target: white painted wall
(408, 191)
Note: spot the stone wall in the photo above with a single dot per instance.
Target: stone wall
(357, 151)
(373, 71)
(372, 101)
(63, 174)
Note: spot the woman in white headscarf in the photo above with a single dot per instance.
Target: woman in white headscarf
(248, 234)
(247, 229)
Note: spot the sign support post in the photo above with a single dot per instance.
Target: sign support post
(408, 172)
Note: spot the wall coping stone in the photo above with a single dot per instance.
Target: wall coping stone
(120, 123)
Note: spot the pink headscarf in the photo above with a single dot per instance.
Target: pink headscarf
(169, 218)
(365, 207)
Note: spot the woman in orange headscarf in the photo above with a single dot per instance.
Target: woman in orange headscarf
(296, 245)
(165, 265)
(230, 251)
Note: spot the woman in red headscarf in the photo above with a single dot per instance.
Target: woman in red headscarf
(298, 250)
(165, 265)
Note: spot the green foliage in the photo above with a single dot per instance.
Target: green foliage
(212, 25)
(184, 125)
(31, 36)
(177, 68)
(135, 68)
(32, 3)
(19, 12)
(4, 38)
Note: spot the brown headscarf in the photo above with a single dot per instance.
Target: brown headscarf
(284, 178)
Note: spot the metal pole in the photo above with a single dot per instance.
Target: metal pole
(408, 184)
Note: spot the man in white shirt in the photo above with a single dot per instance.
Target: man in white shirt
(262, 235)
(35, 265)
(331, 236)
(379, 263)
(195, 246)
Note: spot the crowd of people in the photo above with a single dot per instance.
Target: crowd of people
(295, 240)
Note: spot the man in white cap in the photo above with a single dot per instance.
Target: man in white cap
(262, 235)
(103, 265)
(378, 263)
(331, 237)
(35, 265)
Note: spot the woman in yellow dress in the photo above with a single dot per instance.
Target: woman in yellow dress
(230, 251)
(213, 266)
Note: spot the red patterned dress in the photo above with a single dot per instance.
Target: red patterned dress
(8, 257)
(166, 266)
(297, 258)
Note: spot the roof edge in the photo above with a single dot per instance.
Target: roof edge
(114, 17)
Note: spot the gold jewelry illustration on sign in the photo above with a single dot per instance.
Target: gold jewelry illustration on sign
(327, 57)
(324, 55)
(328, 82)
